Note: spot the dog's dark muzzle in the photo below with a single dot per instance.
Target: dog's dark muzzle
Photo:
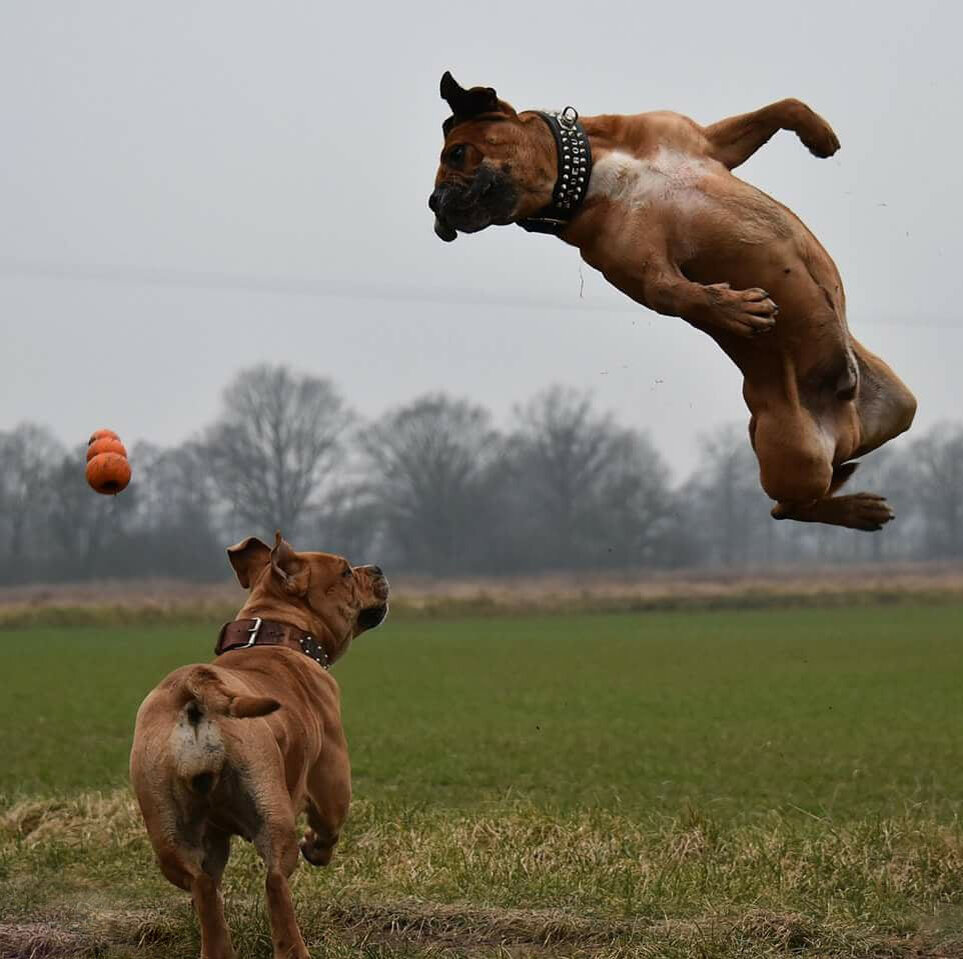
(440, 203)
(374, 615)
(468, 207)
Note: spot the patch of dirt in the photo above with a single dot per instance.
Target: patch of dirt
(469, 931)
(46, 940)
(76, 933)
(465, 931)
(466, 926)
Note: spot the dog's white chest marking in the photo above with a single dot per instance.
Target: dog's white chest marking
(669, 176)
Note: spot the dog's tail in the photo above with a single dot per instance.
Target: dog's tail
(199, 750)
(206, 695)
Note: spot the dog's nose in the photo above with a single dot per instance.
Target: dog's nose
(433, 202)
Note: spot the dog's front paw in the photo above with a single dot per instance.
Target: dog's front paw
(315, 851)
(817, 135)
(744, 313)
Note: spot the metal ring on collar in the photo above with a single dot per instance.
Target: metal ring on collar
(568, 117)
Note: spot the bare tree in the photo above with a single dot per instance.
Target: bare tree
(433, 487)
(634, 515)
(87, 531)
(934, 479)
(558, 449)
(29, 454)
(175, 523)
(430, 463)
(584, 491)
(274, 445)
(731, 513)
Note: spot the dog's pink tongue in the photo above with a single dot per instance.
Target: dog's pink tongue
(444, 231)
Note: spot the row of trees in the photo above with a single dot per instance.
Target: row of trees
(432, 487)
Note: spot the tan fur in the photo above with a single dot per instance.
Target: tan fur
(668, 224)
(243, 745)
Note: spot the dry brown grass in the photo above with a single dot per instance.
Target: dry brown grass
(513, 882)
(168, 600)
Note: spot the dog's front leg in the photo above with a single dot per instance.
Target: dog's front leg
(329, 797)
(715, 308)
(733, 140)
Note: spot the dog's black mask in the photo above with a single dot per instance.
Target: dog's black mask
(469, 206)
(372, 616)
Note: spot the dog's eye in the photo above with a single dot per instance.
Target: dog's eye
(346, 572)
(456, 154)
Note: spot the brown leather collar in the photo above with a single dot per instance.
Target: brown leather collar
(244, 633)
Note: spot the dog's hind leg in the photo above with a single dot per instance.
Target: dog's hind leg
(795, 462)
(209, 903)
(884, 405)
(795, 455)
(864, 511)
(278, 847)
(198, 871)
(733, 140)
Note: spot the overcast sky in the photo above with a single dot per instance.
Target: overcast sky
(189, 188)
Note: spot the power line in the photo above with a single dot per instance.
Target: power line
(213, 281)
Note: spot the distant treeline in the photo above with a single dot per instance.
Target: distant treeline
(432, 487)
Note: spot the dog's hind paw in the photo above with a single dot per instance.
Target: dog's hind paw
(866, 511)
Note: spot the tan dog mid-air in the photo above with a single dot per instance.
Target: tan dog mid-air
(241, 746)
(650, 201)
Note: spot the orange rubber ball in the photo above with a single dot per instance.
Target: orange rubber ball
(106, 444)
(108, 470)
(108, 473)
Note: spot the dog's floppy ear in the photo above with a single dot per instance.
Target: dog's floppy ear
(466, 104)
(293, 573)
(248, 558)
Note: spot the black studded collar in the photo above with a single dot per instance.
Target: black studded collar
(574, 170)
(244, 633)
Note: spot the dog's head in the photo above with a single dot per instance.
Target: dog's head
(318, 592)
(497, 166)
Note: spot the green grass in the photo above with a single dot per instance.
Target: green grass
(714, 783)
(843, 712)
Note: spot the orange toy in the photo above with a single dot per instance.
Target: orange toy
(106, 444)
(108, 470)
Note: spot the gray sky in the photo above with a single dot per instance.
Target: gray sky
(188, 188)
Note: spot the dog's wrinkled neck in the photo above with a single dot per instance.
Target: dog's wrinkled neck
(540, 167)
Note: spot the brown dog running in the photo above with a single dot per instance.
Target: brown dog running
(241, 746)
(649, 201)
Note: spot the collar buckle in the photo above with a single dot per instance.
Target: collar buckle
(254, 630)
(568, 117)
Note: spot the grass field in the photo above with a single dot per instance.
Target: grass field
(761, 783)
